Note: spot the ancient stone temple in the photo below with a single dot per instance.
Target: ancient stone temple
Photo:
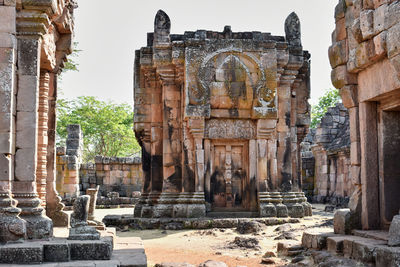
(365, 58)
(35, 37)
(220, 116)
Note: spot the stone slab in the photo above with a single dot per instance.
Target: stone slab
(24, 253)
(56, 252)
(90, 250)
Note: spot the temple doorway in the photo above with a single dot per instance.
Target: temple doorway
(229, 175)
(389, 140)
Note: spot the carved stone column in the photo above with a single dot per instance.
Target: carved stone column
(42, 138)
(54, 206)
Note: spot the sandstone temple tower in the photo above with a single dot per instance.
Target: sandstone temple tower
(220, 117)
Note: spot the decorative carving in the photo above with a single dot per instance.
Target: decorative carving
(230, 129)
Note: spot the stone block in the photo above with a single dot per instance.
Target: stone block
(368, 4)
(90, 250)
(393, 40)
(25, 166)
(367, 24)
(338, 53)
(335, 244)
(315, 240)
(7, 40)
(393, 14)
(6, 143)
(340, 10)
(355, 153)
(387, 256)
(340, 77)
(8, 19)
(379, 19)
(349, 96)
(56, 252)
(28, 89)
(25, 253)
(394, 232)
(342, 222)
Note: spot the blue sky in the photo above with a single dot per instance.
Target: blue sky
(108, 33)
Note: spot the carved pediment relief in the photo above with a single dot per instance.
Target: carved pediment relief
(230, 79)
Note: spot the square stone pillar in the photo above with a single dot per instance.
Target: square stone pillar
(24, 185)
(370, 214)
(12, 227)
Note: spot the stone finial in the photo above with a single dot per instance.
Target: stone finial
(79, 227)
(292, 30)
(162, 27)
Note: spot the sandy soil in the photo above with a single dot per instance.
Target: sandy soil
(197, 246)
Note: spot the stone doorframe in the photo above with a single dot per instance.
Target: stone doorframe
(209, 155)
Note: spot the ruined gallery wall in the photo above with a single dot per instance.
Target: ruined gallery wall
(326, 159)
(111, 174)
(365, 58)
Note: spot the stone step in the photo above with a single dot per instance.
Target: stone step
(232, 214)
(373, 234)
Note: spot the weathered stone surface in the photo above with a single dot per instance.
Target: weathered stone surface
(212, 263)
(56, 252)
(248, 227)
(394, 232)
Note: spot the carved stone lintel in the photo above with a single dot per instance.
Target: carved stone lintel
(231, 129)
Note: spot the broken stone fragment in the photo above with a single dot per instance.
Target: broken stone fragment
(79, 227)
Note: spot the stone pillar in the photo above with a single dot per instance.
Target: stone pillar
(24, 186)
(12, 227)
(54, 206)
(370, 215)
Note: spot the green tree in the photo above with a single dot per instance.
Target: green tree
(106, 126)
(329, 99)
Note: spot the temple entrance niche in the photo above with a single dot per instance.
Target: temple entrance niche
(229, 176)
(390, 168)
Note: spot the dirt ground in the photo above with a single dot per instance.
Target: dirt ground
(197, 246)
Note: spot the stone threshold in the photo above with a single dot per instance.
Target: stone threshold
(186, 223)
(367, 247)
